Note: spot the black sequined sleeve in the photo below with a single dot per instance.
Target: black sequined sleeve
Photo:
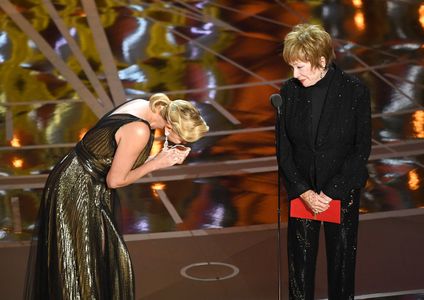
(293, 181)
(353, 172)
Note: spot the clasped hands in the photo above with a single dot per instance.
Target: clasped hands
(316, 202)
(172, 155)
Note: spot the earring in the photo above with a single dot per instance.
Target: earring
(323, 72)
(165, 144)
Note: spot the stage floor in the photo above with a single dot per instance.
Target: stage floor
(65, 63)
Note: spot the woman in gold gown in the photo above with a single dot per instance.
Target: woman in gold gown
(78, 252)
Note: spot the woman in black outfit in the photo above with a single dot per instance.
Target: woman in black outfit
(325, 145)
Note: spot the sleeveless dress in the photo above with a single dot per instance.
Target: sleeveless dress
(78, 252)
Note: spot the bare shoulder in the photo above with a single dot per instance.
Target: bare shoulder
(134, 131)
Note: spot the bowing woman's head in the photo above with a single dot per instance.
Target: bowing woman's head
(183, 120)
(308, 49)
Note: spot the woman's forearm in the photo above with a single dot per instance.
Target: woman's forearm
(114, 181)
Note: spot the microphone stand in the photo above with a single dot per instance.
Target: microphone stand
(277, 138)
(277, 142)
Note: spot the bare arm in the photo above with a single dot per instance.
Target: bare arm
(131, 139)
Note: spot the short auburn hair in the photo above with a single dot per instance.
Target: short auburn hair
(308, 43)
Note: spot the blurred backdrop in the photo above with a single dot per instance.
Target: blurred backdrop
(64, 63)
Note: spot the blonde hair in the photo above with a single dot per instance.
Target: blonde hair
(184, 117)
(308, 43)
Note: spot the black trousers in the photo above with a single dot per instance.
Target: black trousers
(340, 243)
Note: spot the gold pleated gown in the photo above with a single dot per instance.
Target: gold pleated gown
(78, 252)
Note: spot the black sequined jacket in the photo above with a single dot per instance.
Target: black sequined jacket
(335, 162)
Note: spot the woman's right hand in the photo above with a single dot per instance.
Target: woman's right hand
(317, 203)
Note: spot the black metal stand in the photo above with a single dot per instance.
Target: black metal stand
(276, 101)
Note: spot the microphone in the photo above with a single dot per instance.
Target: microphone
(276, 101)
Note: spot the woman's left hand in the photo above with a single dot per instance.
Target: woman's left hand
(324, 199)
(178, 153)
(181, 154)
(328, 199)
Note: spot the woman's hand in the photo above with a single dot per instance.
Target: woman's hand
(171, 156)
(182, 153)
(325, 197)
(316, 202)
(131, 139)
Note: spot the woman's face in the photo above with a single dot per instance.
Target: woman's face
(305, 73)
(174, 137)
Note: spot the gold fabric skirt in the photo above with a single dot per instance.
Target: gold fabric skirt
(78, 252)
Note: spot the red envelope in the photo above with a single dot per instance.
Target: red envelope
(299, 209)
